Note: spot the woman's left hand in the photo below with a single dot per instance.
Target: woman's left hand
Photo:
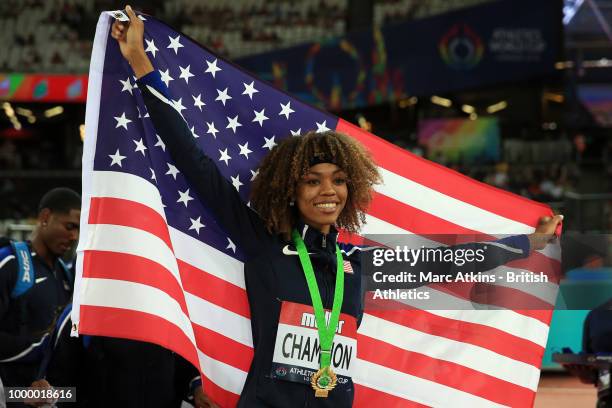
(545, 232)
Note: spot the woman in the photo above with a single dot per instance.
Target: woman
(306, 188)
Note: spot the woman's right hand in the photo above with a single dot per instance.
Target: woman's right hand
(130, 38)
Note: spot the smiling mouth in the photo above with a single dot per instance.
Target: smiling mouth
(326, 206)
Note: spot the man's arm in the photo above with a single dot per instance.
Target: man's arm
(14, 346)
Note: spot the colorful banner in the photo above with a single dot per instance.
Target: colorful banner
(500, 41)
(461, 140)
(43, 88)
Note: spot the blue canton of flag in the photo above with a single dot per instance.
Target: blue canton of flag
(236, 119)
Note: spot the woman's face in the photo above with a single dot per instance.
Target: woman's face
(321, 195)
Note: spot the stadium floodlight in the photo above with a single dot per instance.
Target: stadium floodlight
(496, 107)
(469, 109)
(438, 100)
(58, 110)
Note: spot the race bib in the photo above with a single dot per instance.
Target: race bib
(297, 349)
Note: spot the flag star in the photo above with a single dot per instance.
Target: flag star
(178, 105)
(185, 73)
(212, 129)
(249, 89)
(175, 43)
(122, 121)
(225, 157)
(135, 82)
(236, 182)
(165, 76)
(212, 67)
(254, 174)
(222, 96)
(296, 132)
(286, 110)
(231, 245)
(153, 175)
(160, 143)
(116, 158)
(197, 102)
(172, 170)
(151, 47)
(184, 197)
(260, 117)
(244, 149)
(322, 127)
(196, 225)
(127, 85)
(194, 133)
(141, 17)
(140, 147)
(232, 123)
(270, 143)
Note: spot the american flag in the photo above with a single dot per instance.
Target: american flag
(154, 265)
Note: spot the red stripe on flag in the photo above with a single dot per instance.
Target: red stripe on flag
(222, 397)
(444, 372)
(130, 324)
(444, 180)
(488, 337)
(216, 345)
(214, 289)
(117, 211)
(365, 397)
(132, 268)
(447, 233)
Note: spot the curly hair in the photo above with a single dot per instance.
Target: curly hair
(281, 170)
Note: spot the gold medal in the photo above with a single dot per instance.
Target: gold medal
(323, 381)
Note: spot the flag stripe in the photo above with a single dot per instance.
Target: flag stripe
(468, 355)
(135, 325)
(128, 240)
(103, 265)
(363, 394)
(224, 322)
(444, 372)
(126, 186)
(128, 213)
(215, 290)
(224, 375)
(136, 297)
(216, 345)
(221, 396)
(448, 182)
(206, 258)
(415, 389)
(479, 335)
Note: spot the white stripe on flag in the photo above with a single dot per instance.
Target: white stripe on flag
(134, 241)
(465, 354)
(220, 320)
(137, 297)
(446, 207)
(207, 258)
(224, 375)
(414, 388)
(127, 186)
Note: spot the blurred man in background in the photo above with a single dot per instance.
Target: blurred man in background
(35, 283)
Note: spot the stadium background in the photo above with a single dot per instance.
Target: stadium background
(544, 133)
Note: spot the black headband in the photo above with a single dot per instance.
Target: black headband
(321, 157)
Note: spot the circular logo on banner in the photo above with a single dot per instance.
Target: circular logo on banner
(461, 47)
(281, 371)
(334, 100)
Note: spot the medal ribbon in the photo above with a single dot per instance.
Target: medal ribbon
(326, 331)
